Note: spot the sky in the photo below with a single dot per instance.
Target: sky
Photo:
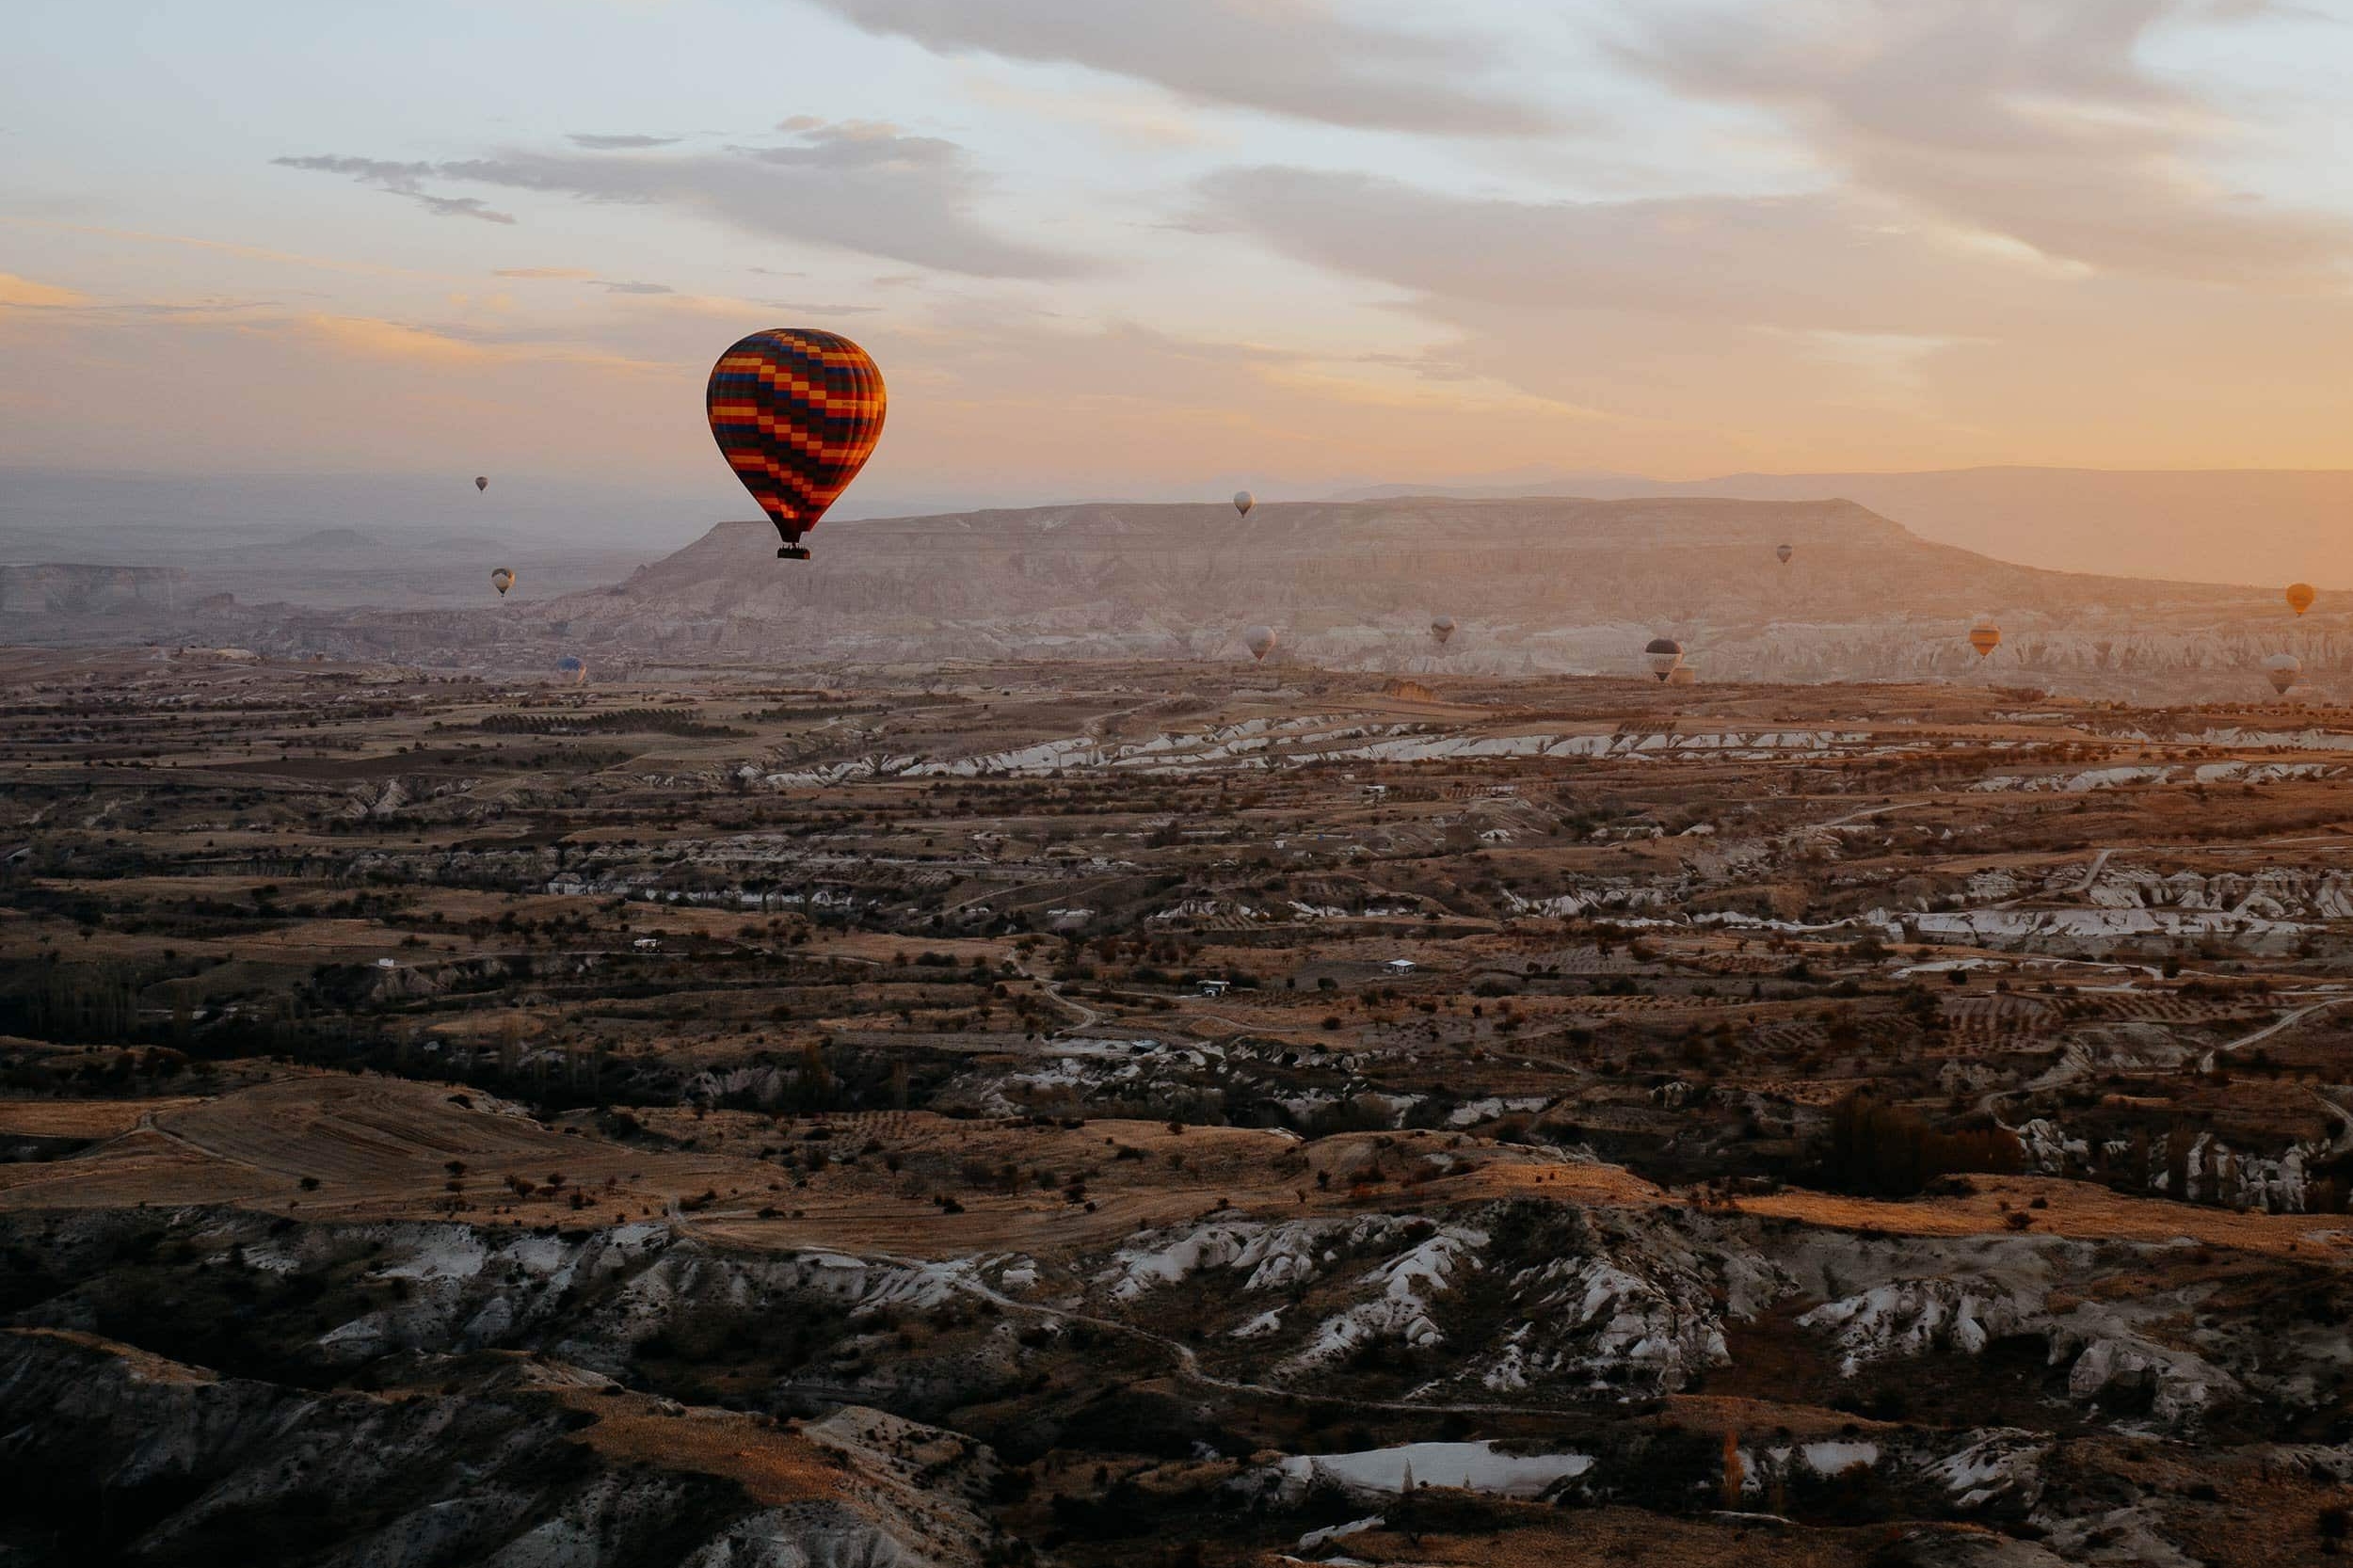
(1161, 248)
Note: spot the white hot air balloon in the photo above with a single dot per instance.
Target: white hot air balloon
(1442, 628)
(1664, 654)
(1244, 501)
(1259, 640)
(2281, 669)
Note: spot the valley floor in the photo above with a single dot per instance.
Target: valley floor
(1166, 1114)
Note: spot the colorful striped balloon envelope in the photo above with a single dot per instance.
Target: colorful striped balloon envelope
(796, 412)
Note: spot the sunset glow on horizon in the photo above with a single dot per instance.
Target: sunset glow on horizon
(1134, 249)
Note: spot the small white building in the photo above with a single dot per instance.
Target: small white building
(1399, 966)
(648, 944)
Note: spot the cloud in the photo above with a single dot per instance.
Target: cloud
(2032, 120)
(987, 404)
(374, 338)
(369, 338)
(610, 287)
(401, 180)
(857, 186)
(341, 389)
(571, 274)
(1843, 328)
(595, 143)
(199, 308)
(227, 247)
(1141, 120)
(1826, 261)
(22, 292)
(1293, 58)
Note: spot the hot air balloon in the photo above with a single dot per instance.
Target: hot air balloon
(1664, 653)
(2300, 597)
(1244, 501)
(1683, 675)
(2281, 669)
(1782, 551)
(481, 481)
(796, 412)
(501, 579)
(1984, 635)
(1259, 640)
(573, 669)
(1442, 628)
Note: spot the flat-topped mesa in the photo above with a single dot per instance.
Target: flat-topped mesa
(1328, 565)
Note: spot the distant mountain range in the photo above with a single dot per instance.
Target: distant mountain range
(1536, 585)
(1104, 569)
(2229, 525)
(325, 540)
(2252, 526)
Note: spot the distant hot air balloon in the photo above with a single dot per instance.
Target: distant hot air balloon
(1259, 640)
(1984, 635)
(1782, 551)
(574, 669)
(501, 579)
(1683, 675)
(1442, 628)
(2281, 669)
(2300, 597)
(1664, 653)
(1244, 501)
(481, 481)
(796, 412)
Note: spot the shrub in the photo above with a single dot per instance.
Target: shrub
(1890, 1151)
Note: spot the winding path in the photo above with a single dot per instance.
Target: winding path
(2282, 1022)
